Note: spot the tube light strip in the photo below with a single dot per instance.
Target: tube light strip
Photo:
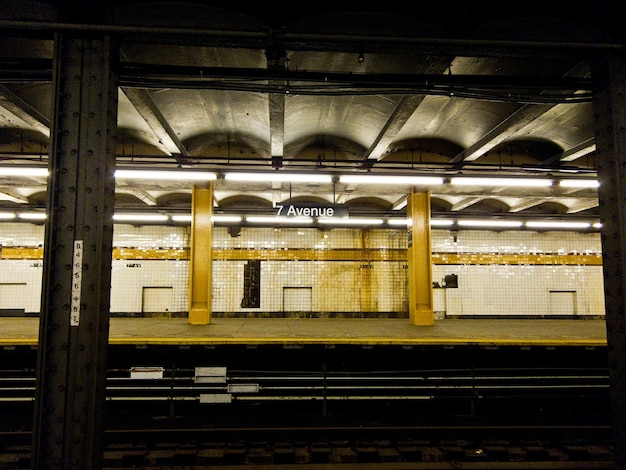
(489, 223)
(471, 181)
(574, 183)
(279, 220)
(441, 222)
(23, 171)
(398, 221)
(389, 179)
(347, 221)
(393, 221)
(140, 217)
(557, 224)
(172, 175)
(280, 177)
(32, 215)
(433, 222)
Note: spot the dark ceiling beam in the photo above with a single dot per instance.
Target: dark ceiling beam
(500, 133)
(336, 41)
(493, 87)
(159, 75)
(276, 65)
(405, 108)
(14, 104)
(527, 203)
(583, 205)
(13, 196)
(516, 121)
(149, 111)
(578, 151)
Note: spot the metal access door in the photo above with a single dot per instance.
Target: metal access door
(298, 300)
(13, 298)
(157, 300)
(563, 302)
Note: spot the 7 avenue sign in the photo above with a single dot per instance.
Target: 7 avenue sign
(311, 210)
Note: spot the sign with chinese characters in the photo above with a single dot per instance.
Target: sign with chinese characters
(77, 277)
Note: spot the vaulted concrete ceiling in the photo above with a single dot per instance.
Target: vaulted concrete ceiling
(452, 88)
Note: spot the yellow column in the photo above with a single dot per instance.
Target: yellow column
(420, 259)
(201, 257)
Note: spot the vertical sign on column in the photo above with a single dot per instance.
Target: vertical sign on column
(77, 274)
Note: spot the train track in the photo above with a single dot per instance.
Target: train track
(436, 447)
(528, 409)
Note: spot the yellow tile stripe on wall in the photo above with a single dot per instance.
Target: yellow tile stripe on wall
(25, 253)
(151, 253)
(504, 259)
(311, 255)
(20, 252)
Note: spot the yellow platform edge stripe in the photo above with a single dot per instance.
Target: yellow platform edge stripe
(173, 341)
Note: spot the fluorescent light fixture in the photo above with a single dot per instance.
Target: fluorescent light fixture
(489, 223)
(349, 221)
(22, 171)
(32, 215)
(441, 222)
(7, 215)
(398, 221)
(181, 218)
(140, 217)
(556, 224)
(278, 220)
(390, 179)
(433, 222)
(170, 175)
(574, 183)
(471, 181)
(225, 218)
(280, 177)
(597, 225)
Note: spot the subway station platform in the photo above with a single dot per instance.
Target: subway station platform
(16, 331)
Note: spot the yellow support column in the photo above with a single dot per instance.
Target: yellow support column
(201, 256)
(420, 259)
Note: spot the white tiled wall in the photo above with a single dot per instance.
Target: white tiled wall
(521, 290)
(20, 280)
(509, 242)
(20, 285)
(348, 287)
(514, 289)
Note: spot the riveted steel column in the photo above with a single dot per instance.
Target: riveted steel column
(420, 259)
(609, 77)
(74, 324)
(201, 258)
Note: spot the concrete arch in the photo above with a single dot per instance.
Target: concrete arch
(418, 150)
(487, 206)
(325, 149)
(244, 203)
(227, 146)
(439, 205)
(522, 151)
(368, 203)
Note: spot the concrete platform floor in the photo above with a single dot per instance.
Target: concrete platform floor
(485, 331)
